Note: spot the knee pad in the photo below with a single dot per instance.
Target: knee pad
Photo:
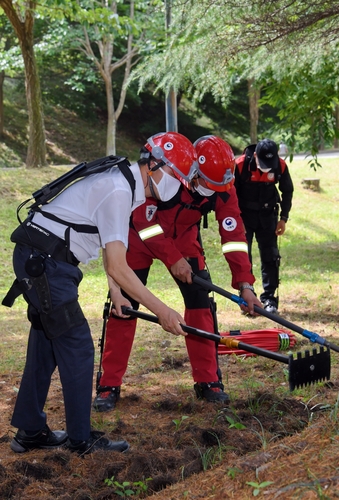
(195, 296)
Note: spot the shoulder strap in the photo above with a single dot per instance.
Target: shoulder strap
(52, 189)
(80, 228)
(224, 195)
(248, 157)
(167, 205)
(126, 172)
(282, 165)
(280, 170)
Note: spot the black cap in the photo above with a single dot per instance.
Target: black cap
(267, 154)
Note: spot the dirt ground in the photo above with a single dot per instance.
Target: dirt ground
(184, 448)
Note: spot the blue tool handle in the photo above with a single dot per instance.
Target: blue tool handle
(313, 337)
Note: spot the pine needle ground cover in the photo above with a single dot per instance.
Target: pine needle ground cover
(268, 442)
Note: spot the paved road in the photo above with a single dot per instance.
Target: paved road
(321, 154)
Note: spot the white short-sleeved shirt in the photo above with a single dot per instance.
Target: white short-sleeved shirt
(103, 200)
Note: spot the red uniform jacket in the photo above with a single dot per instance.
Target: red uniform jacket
(170, 230)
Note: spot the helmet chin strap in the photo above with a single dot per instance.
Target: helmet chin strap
(155, 168)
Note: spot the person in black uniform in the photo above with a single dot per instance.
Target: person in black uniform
(264, 209)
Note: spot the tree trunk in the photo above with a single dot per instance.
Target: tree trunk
(106, 68)
(253, 99)
(36, 153)
(130, 52)
(2, 78)
(23, 27)
(336, 117)
(111, 118)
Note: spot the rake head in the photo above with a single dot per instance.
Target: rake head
(309, 369)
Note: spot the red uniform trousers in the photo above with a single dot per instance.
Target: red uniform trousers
(120, 333)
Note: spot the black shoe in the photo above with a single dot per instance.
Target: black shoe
(106, 398)
(97, 442)
(45, 439)
(270, 306)
(211, 391)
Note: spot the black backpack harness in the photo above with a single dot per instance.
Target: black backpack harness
(37, 237)
(31, 234)
(249, 165)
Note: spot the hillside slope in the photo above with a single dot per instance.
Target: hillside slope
(70, 139)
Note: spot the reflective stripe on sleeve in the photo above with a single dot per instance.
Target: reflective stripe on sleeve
(150, 232)
(235, 246)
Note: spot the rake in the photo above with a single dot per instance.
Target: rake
(306, 370)
(313, 337)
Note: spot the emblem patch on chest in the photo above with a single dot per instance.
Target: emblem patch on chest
(150, 211)
(229, 224)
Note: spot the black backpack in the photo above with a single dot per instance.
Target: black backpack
(52, 189)
(48, 192)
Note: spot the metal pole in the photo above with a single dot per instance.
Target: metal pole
(171, 97)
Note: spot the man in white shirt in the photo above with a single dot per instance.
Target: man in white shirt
(85, 217)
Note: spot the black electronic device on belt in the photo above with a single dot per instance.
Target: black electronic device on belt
(35, 266)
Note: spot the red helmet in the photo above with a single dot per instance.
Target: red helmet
(216, 162)
(176, 151)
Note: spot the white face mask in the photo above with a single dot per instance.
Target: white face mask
(204, 191)
(265, 170)
(167, 187)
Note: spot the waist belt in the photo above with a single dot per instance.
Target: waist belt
(253, 205)
(31, 234)
(34, 236)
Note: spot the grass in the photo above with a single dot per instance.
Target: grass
(308, 297)
(309, 267)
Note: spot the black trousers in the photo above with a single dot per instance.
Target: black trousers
(269, 254)
(72, 353)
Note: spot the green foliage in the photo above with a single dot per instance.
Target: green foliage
(234, 424)
(127, 488)
(233, 472)
(11, 60)
(178, 422)
(305, 101)
(262, 434)
(215, 45)
(334, 416)
(212, 455)
(207, 55)
(258, 487)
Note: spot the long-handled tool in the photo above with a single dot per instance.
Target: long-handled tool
(101, 341)
(313, 337)
(305, 370)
